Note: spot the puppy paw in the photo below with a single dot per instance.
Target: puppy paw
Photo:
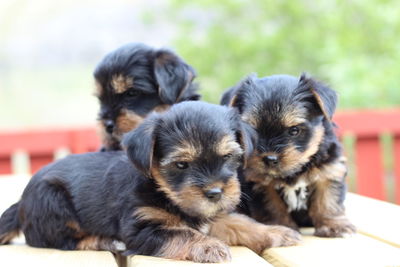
(210, 250)
(335, 228)
(281, 236)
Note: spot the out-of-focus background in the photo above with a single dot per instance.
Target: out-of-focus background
(49, 49)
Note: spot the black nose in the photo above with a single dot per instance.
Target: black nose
(214, 194)
(109, 125)
(271, 160)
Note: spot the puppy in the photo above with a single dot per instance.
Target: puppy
(296, 173)
(134, 80)
(178, 175)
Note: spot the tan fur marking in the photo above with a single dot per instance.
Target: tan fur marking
(98, 88)
(294, 117)
(326, 213)
(190, 77)
(321, 104)
(126, 121)
(89, 243)
(335, 171)
(191, 199)
(7, 237)
(240, 230)
(158, 215)
(255, 170)
(121, 83)
(161, 108)
(293, 159)
(192, 245)
(228, 145)
(96, 243)
(185, 151)
(251, 119)
(75, 226)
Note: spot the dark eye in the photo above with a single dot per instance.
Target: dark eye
(182, 165)
(133, 93)
(227, 156)
(293, 131)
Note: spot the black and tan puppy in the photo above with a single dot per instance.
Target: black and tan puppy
(296, 173)
(134, 80)
(183, 176)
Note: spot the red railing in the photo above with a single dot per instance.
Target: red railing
(41, 145)
(366, 127)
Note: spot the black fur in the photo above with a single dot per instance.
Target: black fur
(268, 105)
(158, 77)
(101, 191)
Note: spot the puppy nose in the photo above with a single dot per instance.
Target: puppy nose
(109, 125)
(271, 160)
(214, 194)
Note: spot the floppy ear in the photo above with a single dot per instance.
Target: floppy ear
(173, 76)
(235, 97)
(324, 97)
(139, 144)
(247, 138)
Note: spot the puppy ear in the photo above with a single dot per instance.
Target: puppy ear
(139, 144)
(324, 97)
(235, 96)
(173, 76)
(247, 138)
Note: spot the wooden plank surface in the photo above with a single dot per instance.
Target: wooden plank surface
(375, 218)
(241, 257)
(22, 255)
(358, 250)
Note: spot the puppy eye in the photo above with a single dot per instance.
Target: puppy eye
(133, 93)
(227, 156)
(182, 165)
(293, 131)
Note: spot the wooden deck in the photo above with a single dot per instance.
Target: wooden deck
(377, 242)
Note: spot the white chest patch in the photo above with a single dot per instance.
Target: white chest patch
(205, 229)
(295, 195)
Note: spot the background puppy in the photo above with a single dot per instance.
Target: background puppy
(183, 176)
(296, 173)
(134, 80)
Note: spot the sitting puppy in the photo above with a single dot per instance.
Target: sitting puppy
(134, 80)
(183, 176)
(296, 174)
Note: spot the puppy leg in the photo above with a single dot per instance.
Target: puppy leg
(45, 214)
(275, 209)
(100, 243)
(166, 235)
(179, 243)
(327, 211)
(239, 230)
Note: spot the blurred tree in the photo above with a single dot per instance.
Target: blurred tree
(351, 45)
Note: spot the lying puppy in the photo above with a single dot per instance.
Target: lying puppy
(134, 80)
(296, 174)
(183, 176)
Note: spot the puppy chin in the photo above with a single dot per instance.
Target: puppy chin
(207, 209)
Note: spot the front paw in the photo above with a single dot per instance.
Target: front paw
(281, 236)
(210, 250)
(335, 228)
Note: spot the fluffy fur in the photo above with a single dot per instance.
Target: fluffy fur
(134, 80)
(178, 175)
(296, 173)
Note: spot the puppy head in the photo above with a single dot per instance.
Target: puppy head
(134, 80)
(291, 116)
(192, 151)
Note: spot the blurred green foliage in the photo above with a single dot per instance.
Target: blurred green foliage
(351, 45)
